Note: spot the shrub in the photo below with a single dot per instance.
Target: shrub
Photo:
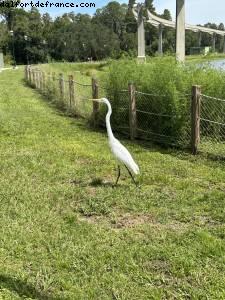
(169, 84)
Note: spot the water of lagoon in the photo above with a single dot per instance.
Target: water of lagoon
(218, 64)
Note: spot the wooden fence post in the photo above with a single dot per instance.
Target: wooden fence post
(40, 79)
(132, 112)
(33, 78)
(71, 91)
(43, 81)
(37, 79)
(29, 74)
(61, 87)
(26, 72)
(53, 76)
(95, 104)
(195, 118)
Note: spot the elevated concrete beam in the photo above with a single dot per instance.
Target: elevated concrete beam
(152, 19)
(180, 30)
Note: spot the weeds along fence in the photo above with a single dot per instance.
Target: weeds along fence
(139, 115)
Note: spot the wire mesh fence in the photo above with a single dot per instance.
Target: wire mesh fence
(144, 119)
(135, 114)
(66, 93)
(198, 123)
(212, 125)
(83, 93)
(120, 106)
(168, 126)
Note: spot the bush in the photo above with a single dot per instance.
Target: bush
(8, 59)
(169, 84)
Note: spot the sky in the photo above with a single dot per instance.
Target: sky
(197, 11)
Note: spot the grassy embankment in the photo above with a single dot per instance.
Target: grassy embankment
(66, 233)
(82, 71)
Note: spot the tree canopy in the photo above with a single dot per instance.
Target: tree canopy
(110, 32)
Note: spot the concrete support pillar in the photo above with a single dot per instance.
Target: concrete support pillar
(224, 44)
(199, 39)
(141, 36)
(1, 61)
(160, 41)
(180, 30)
(214, 42)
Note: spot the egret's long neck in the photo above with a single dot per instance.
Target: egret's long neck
(107, 120)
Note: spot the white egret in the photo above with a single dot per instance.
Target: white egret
(120, 153)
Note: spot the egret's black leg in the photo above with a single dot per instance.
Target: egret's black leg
(131, 175)
(118, 175)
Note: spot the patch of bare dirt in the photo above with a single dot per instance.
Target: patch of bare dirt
(128, 220)
(119, 222)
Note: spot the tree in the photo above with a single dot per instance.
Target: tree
(8, 11)
(112, 15)
(167, 15)
(3, 36)
(149, 5)
(131, 3)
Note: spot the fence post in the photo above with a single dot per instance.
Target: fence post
(61, 87)
(38, 79)
(29, 74)
(26, 72)
(53, 76)
(71, 90)
(32, 76)
(35, 78)
(195, 118)
(95, 104)
(132, 111)
(43, 81)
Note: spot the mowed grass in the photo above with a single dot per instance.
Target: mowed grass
(66, 233)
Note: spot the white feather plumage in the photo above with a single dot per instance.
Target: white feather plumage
(121, 154)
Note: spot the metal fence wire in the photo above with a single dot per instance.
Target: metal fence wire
(120, 107)
(161, 123)
(66, 93)
(154, 120)
(212, 124)
(83, 92)
(141, 115)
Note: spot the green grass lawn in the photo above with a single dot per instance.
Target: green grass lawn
(66, 233)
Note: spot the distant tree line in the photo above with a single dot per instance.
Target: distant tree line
(110, 32)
